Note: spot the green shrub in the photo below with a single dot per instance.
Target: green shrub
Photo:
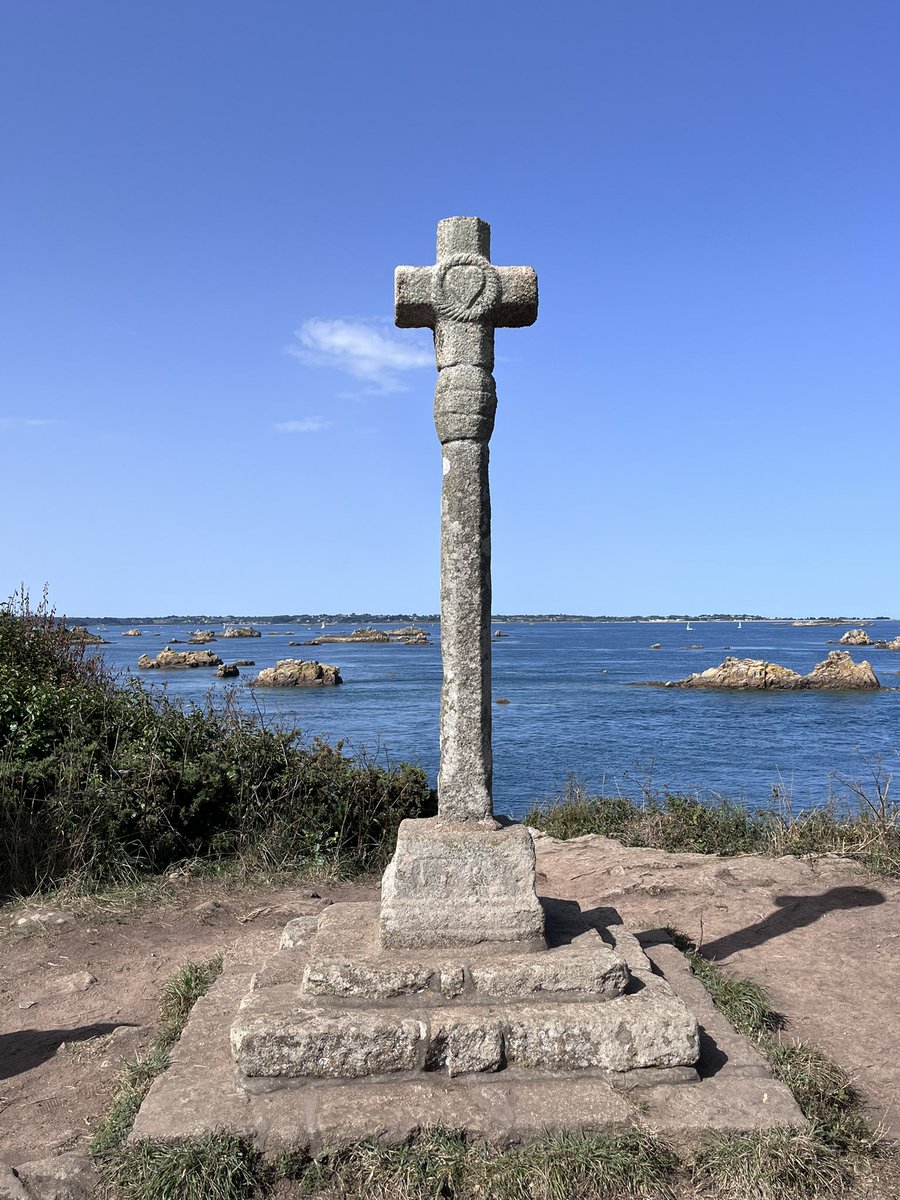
(99, 780)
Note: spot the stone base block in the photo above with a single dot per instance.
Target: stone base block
(346, 959)
(453, 884)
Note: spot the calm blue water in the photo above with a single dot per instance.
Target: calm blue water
(571, 710)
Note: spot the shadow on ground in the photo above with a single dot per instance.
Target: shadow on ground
(28, 1048)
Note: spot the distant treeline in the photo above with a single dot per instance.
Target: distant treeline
(366, 618)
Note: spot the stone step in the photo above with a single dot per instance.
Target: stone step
(279, 1034)
(345, 959)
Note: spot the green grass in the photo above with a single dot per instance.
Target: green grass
(178, 997)
(559, 1166)
(870, 833)
(216, 1167)
(745, 1003)
(774, 1164)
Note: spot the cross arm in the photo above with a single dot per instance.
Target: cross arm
(518, 303)
(413, 297)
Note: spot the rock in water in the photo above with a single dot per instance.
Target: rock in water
(132, 633)
(169, 660)
(227, 671)
(837, 672)
(855, 637)
(241, 631)
(840, 673)
(78, 633)
(295, 672)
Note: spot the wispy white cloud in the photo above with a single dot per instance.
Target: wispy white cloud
(364, 349)
(304, 425)
(25, 422)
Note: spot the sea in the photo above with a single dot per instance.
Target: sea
(578, 711)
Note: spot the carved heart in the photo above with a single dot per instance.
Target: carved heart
(465, 284)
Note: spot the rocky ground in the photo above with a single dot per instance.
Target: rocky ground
(79, 992)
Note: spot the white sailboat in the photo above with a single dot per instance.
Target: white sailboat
(689, 626)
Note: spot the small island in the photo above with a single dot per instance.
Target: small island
(174, 660)
(838, 672)
(295, 672)
(410, 635)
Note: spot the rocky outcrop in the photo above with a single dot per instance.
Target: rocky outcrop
(131, 633)
(368, 634)
(838, 672)
(241, 631)
(295, 672)
(893, 644)
(227, 671)
(411, 635)
(201, 637)
(855, 637)
(78, 633)
(171, 660)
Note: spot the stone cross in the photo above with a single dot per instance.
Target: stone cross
(463, 298)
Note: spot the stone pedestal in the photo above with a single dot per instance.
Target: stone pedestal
(460, 883)
(333, 1003)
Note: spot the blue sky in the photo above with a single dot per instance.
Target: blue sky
(204, 406)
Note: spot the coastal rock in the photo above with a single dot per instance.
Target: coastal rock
(201, 637)
(855, 637)
(169, 660)
(837, 672)
(411, 635)
(893, 644)
(840, 673)
(131, 633)
(244, 662)
(744, 674)
(227, 671)
(241, 631)
(295, 672)
(78, 633)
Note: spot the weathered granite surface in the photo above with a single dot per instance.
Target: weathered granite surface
(198, 1095)
(463, 298)
(837, 672)
(331, 1003)
(297, 672)
(460, 883)
(169, 660)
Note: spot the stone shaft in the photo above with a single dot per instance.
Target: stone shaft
(466, 762)
(463, 298)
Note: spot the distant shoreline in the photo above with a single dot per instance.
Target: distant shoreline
(366, 618)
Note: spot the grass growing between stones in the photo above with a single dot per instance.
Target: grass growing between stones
(870, 833)
(178, 997)
(824, 1160)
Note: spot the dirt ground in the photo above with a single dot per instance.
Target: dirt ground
(79, 998)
